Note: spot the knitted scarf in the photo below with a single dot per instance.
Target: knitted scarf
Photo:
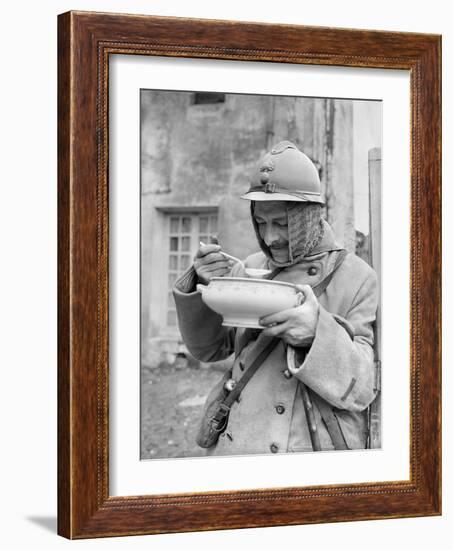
(305, 231)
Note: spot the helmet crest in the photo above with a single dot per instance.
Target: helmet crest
(265, 168)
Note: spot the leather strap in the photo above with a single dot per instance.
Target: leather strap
(322, 285)
(310, 416)
(261, 357)
(225, 405)
(331, 422)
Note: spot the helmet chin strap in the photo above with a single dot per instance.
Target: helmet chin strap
(305, 231)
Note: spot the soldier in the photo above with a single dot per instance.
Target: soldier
(310, 389)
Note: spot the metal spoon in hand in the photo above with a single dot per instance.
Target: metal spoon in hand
(250, 271)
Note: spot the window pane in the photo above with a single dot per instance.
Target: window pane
(185, 261)
(186, 225)
(174, 225)
(171, 318)
(173, 243)
(204, 224)
(173, 262)
(204, 239)
(213, 224)
(185, 244)
(171, 300)
(207, 98)
(172, 279)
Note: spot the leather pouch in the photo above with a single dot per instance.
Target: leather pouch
(214, 419)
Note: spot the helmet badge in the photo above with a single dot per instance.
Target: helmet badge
(265, 168)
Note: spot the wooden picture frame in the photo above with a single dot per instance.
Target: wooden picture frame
(85, 41)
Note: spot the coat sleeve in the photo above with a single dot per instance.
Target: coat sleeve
(339, 366)
(201, 328)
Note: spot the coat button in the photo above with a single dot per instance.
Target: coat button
(280, 409)
(274, 448)
(287, 374)
(312, 271)
(230, 384)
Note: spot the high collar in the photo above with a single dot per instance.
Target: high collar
(328, 242)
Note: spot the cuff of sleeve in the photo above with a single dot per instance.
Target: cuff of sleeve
(333, 368)
(187, 282)
(326, 327)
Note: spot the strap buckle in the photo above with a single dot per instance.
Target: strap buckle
(218, 420)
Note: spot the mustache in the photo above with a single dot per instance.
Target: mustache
(278, 244)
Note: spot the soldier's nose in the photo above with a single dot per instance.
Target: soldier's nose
(270, 237)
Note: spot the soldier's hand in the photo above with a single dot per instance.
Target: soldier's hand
(297, 325)
(208, 263)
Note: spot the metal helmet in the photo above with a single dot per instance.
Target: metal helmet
(285, 174)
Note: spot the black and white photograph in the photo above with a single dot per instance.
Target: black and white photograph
(260, 274)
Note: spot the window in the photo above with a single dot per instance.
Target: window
(185, 231)
(208, 98)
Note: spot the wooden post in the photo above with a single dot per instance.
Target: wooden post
(374, 177)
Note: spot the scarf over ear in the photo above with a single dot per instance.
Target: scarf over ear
(305, 231)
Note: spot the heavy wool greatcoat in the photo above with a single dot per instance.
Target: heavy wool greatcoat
(338, 366)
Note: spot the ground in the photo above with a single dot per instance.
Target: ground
(171, 403)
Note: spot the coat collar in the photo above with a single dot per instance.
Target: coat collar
(327, 244)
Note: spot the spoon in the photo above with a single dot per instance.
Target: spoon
(228, 256)
(252, 272)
